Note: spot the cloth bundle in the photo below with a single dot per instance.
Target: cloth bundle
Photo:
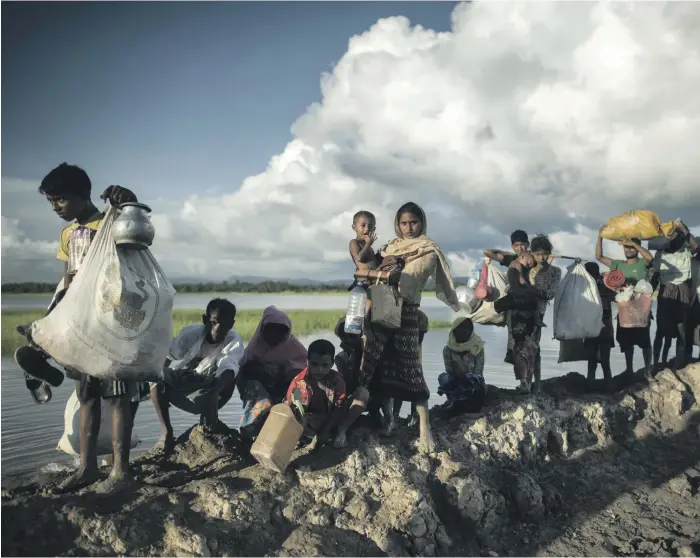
(614, 279)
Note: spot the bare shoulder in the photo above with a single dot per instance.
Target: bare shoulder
(356, 244)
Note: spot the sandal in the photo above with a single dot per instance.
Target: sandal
(40, 391)
(35, 365)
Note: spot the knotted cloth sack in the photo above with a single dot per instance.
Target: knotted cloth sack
(115, 321)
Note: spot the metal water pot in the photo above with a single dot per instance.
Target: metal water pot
(132, 228)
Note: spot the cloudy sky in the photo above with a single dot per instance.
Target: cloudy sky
(256, 130)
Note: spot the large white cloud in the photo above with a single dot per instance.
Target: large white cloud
(550, 117)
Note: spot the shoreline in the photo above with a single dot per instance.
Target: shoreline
(304, 322)
(563, 473)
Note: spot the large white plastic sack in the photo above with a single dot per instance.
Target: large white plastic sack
(578, 310)
(115, 321)
(485, 314)
(70, 441)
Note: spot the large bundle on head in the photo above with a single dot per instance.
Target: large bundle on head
(641, 224)
(115, 321)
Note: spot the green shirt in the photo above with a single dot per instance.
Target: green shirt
(634, 272)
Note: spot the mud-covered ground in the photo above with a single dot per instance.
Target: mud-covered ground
(561, 473)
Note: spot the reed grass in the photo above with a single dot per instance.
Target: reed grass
(304, 322)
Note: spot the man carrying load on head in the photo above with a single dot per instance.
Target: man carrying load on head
(635, 270)
(200, 371)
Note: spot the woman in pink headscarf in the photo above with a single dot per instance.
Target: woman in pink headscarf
(271, 360)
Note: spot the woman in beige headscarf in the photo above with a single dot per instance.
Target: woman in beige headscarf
(391, 365)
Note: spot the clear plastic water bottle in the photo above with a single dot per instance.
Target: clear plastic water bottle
(356, 311)
(475, 276)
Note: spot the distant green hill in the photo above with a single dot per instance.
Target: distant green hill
(262, 286)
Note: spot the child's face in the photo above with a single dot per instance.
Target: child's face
(66, 207)
(520, 247)
(363, 226)
(541, 258)
(319, 365)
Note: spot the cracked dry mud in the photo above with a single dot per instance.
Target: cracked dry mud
(561, 473)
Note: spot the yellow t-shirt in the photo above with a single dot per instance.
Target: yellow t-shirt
(64, 246)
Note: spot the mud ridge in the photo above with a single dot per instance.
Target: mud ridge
(559, 473)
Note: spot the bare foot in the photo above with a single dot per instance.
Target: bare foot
(80, 479)
(523, 387)
(313, 444)
(426, 444)
(413, 420)
(217, 427)
(165, 444)
(115, 482)
(341, 440)
(390, 427)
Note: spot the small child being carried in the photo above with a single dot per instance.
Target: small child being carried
(522, 295)
(363, 255)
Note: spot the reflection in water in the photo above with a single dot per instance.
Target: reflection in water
(30, 432)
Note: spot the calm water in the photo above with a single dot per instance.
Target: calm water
(30, 432)
(432, 306)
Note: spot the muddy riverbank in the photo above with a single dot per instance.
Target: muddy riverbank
(561, 473)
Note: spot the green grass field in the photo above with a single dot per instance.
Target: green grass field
(304, 322)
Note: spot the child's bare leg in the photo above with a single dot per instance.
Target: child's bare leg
(592, 366)
(88, 472)
(390, 419)
(122, 425)
(666, 349)
(540, 312)
(398, 403)
(659, 343)
(413, 419)
(538, 372)
(426, 444)
(159, 397)
(679, 360)
(358, 406)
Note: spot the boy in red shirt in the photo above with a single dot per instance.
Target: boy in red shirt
(322, 392)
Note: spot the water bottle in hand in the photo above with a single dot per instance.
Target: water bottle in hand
(474, 277)
(356, 311)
